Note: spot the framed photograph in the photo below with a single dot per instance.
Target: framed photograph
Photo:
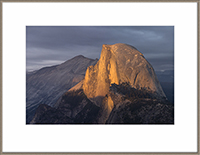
(100, 77)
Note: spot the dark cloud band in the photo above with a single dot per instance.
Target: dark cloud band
(60, 43)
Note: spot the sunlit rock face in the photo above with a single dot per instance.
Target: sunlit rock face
(119, 63)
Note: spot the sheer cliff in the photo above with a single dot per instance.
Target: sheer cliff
(120, 63)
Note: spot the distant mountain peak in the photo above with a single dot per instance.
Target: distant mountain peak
(79, 56)
(47, 84)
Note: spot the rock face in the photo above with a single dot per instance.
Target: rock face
(122, 88)
(119, 63)
(46, 85)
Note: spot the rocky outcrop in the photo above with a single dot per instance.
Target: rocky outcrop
(46, 85)
(119, 63)
(72, 108)
(142, 111)
(132, 106)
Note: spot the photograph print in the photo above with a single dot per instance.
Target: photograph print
(100, 75)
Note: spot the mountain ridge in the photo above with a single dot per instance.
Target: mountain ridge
(121, 79)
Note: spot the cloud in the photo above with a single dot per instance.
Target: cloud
(60, 43)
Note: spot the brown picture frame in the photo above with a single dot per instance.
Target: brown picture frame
(134, 1)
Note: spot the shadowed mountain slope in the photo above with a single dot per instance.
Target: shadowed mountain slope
(46, 85)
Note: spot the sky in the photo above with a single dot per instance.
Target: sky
(52, 45)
